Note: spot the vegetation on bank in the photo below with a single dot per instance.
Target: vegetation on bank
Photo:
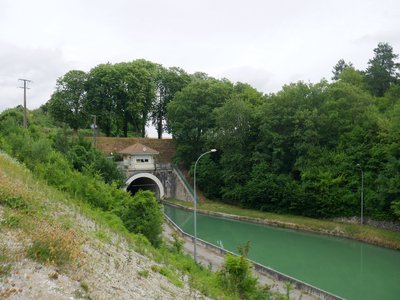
(365, 233)
(41, 182)
(302, 150)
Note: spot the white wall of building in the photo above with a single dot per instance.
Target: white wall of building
(139, 162)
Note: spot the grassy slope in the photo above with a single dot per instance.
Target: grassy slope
(35, 213)
(364, 233)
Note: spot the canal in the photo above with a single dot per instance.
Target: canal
(347, 268)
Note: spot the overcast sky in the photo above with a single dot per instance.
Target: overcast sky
(265, 43)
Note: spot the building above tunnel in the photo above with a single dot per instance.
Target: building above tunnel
(139, 157)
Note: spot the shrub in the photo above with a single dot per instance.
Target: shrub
(143, 214)
(177, 244)
(235, 276)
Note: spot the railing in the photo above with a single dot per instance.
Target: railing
(163, 166)
(183, 180)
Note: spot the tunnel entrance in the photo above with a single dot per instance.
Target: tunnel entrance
(145, 181)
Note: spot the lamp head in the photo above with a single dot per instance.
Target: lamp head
(213, 150)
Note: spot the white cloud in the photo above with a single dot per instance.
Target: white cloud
(41, 66)
(260, 79)
(264, 43)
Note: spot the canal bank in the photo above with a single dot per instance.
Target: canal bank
(347, 268)
(367, 234)
(213, 257)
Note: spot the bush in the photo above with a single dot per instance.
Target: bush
(236, 276)
(143, 214)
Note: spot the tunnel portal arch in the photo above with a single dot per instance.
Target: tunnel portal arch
(145, 181)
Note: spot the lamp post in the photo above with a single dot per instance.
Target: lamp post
(362, 194)
(195, 205)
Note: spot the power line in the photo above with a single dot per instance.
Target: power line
(25, 88)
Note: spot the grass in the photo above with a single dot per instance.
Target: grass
(102, 236)
(168, 273)
(26, 208)
(143, 273)
(365, 233)
(11, 218)
(5, 265)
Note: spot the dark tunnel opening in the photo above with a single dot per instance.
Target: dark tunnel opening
(143, 183)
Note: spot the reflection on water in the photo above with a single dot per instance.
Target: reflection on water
(347, 268)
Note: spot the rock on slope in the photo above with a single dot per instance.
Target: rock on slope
(108, 270)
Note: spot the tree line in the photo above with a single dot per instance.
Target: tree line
(300, 150)
(125, 97)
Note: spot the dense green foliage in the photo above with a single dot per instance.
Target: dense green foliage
(125, 97)
(73, 166)
(297, 151)
(68, 100)
(143, 214)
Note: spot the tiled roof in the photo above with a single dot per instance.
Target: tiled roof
(138, 148)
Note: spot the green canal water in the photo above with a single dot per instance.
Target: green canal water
(347, 268)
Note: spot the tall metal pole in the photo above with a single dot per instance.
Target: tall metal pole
(24, 87)
(362, 194)
(94, 129)
(195, 206)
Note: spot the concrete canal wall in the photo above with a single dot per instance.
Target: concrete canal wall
(258, 267)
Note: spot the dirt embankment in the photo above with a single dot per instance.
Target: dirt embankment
(166, 147)
(108, 268)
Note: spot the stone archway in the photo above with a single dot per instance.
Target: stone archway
(145, 181)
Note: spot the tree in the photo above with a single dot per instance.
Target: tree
(290, 125)
(122, 96)
(144, 95)
(67, 103)
(190, 115)
(168, 82)
(382, 70)
(352, 76)
(339, 67)
(101, 101)
(134, 94)
(235, 134)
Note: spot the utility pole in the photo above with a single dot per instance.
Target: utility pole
(25, 88)
(94, 129)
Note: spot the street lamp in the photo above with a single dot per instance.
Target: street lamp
(362, 194)
(195, 205)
